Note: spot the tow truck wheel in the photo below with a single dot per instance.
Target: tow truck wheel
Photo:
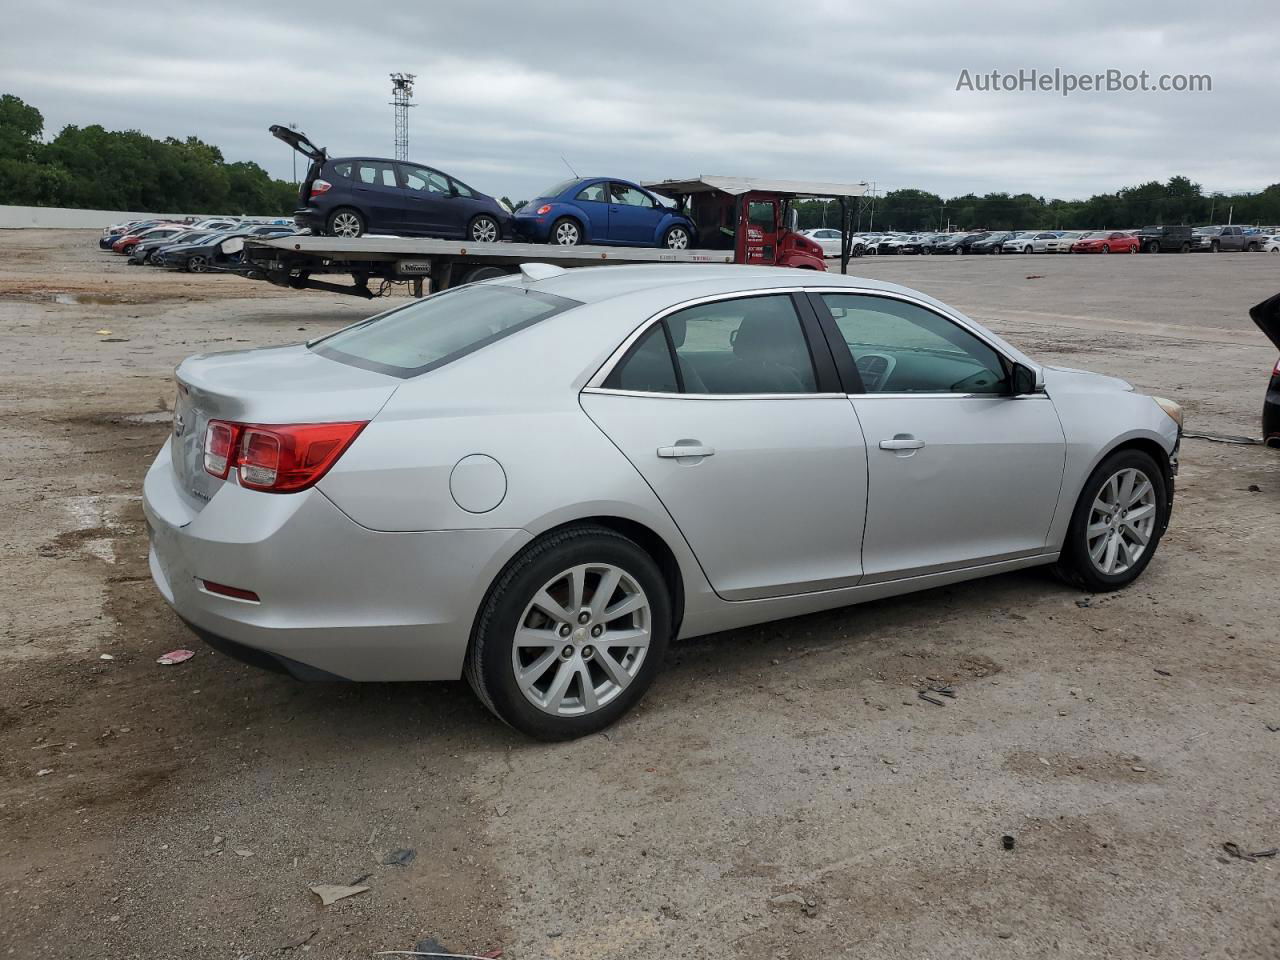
(345, 222)
(566, 232)
(677, 239)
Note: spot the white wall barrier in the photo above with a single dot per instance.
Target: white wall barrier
(12, 218)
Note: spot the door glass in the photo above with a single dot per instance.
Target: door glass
(376, 174)
(902, 348)
(630, 196)
(461, 189)
(761, 215)
(647, 366)
(423, 180)
(748, 345)
(594, 192)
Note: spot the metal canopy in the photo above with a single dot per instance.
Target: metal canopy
(740, 185)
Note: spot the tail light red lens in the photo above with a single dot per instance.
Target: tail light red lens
(320, 186)
(544, 209)
(1276, 371)
(276, 458)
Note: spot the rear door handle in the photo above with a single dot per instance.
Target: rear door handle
(685, 448)
(902, 441)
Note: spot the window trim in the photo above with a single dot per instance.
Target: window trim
(844, 357)
(825, 380)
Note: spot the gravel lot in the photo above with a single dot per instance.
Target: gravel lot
(781, 792)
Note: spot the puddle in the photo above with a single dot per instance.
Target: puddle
(94, 299)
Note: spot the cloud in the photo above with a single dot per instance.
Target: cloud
(825, 90)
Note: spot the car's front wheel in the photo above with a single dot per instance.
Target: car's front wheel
(677, 238)
(1117, 524)
(345, 222)
(198, 264)
(566, 232)
(484, 230)
(571, 634)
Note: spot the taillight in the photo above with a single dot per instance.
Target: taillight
(320, 186)
(219, 443)
(1276, 371)
(544, 209)
(277, 458)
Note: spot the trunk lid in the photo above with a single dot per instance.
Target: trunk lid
(1267, 316)
(274, 385)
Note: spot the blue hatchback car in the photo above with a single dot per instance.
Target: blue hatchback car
(603, 210)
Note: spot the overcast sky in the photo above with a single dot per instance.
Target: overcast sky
(673, 88)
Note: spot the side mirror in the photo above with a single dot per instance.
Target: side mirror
(1026, 380)
(793, 219)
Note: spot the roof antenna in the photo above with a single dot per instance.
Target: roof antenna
(570, 166)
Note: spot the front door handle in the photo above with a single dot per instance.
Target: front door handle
(685, 448)
(902, 441)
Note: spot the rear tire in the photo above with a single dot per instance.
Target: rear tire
(677, 238)
(566, 232)
(1254, 248)
(1153, 247)
(1092, 527)
(546, 690)
(1214, 247)
(345, 222)
(484, 229)
(1186, 248)
(1105, 248)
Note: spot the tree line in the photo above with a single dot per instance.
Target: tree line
(95, 168)
(91, 167)
(1179, 201)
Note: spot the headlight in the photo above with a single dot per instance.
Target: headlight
(1174, 410)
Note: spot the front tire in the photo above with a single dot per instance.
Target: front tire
(571, 634)
(1117, 523)
(484, 230)
(345, 222)
(197, 264)
(1105, 248)
(566, 232)
(677, 238)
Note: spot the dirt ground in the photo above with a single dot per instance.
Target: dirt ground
(781, 792)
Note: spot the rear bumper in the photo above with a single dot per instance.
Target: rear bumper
(337, 600)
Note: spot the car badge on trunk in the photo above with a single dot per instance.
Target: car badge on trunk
(179, 425)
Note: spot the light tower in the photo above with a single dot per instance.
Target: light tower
(401, 91)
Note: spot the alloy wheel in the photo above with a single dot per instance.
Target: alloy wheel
(197, 264)
(1122, 521)
(581, 640)
(346, 225)
(567, 234)
(484, 230)
(677, 238)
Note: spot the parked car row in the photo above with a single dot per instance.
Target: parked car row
(1155, 239)
(196, 247)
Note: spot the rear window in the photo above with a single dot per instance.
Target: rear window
(439, 329)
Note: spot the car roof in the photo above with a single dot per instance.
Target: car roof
(678, 280)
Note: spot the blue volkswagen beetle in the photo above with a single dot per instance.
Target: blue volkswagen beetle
(603, 210)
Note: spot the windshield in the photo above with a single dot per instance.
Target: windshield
(439, 329)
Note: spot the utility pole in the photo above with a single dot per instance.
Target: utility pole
(401, 91)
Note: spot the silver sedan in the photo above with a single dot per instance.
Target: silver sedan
(540, 481)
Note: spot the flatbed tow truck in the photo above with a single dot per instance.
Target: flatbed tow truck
(740, 220)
